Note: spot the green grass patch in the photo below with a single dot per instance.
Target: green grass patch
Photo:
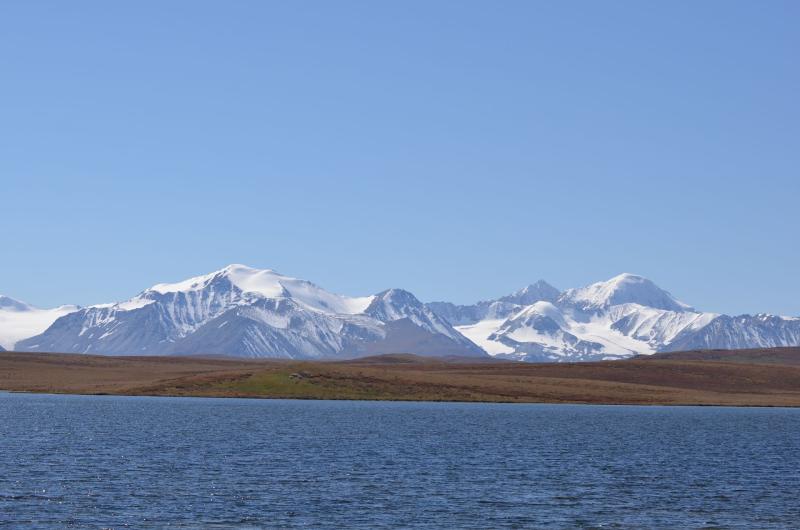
(290, 384)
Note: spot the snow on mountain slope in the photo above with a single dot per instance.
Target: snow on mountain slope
(622, 289)
(461, 315)
(743, 331)
(535, 292)
(278, 327)
(482, 334)
(624, 316)
(243, 311)
(465, 315)
(396, 305)
(541, 332)
(248, 312)
(19, 320)
(538, 323)
(271, 284)
(656, 327)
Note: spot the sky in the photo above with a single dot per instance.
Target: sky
(457, 149)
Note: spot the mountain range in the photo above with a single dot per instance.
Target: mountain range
(245, 312)
(624, 316)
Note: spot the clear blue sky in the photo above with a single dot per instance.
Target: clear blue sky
(458, 149)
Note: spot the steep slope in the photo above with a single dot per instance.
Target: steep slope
(623, 289)
(412, 327)
(656, 327)
(9, 304)
(535, 292)
(624, 316)
(542, 332)
(281, 328)
(268, 284)
(740, 332)
(253, 313)
(19, 320)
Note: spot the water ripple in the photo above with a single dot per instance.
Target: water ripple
(100, 462)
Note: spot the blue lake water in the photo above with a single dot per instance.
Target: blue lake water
(94, 462)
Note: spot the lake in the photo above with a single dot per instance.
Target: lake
(103, 461)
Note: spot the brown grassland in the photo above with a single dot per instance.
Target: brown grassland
(743, 378)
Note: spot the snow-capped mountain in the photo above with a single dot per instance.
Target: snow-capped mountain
(621, 317)
(19, 320)
(623, 289)
(496, 309)
(248, 312)
(743, 331)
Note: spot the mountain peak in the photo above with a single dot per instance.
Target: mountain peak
(625, 288)
(390, 303)
(541, 308)
(248, 279)
(238, 268)
(538, 285)
(11, 304)
(535, 292)
(266, 283)
(627, 278)
(397, 294)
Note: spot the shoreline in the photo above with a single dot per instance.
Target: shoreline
(390, 400)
